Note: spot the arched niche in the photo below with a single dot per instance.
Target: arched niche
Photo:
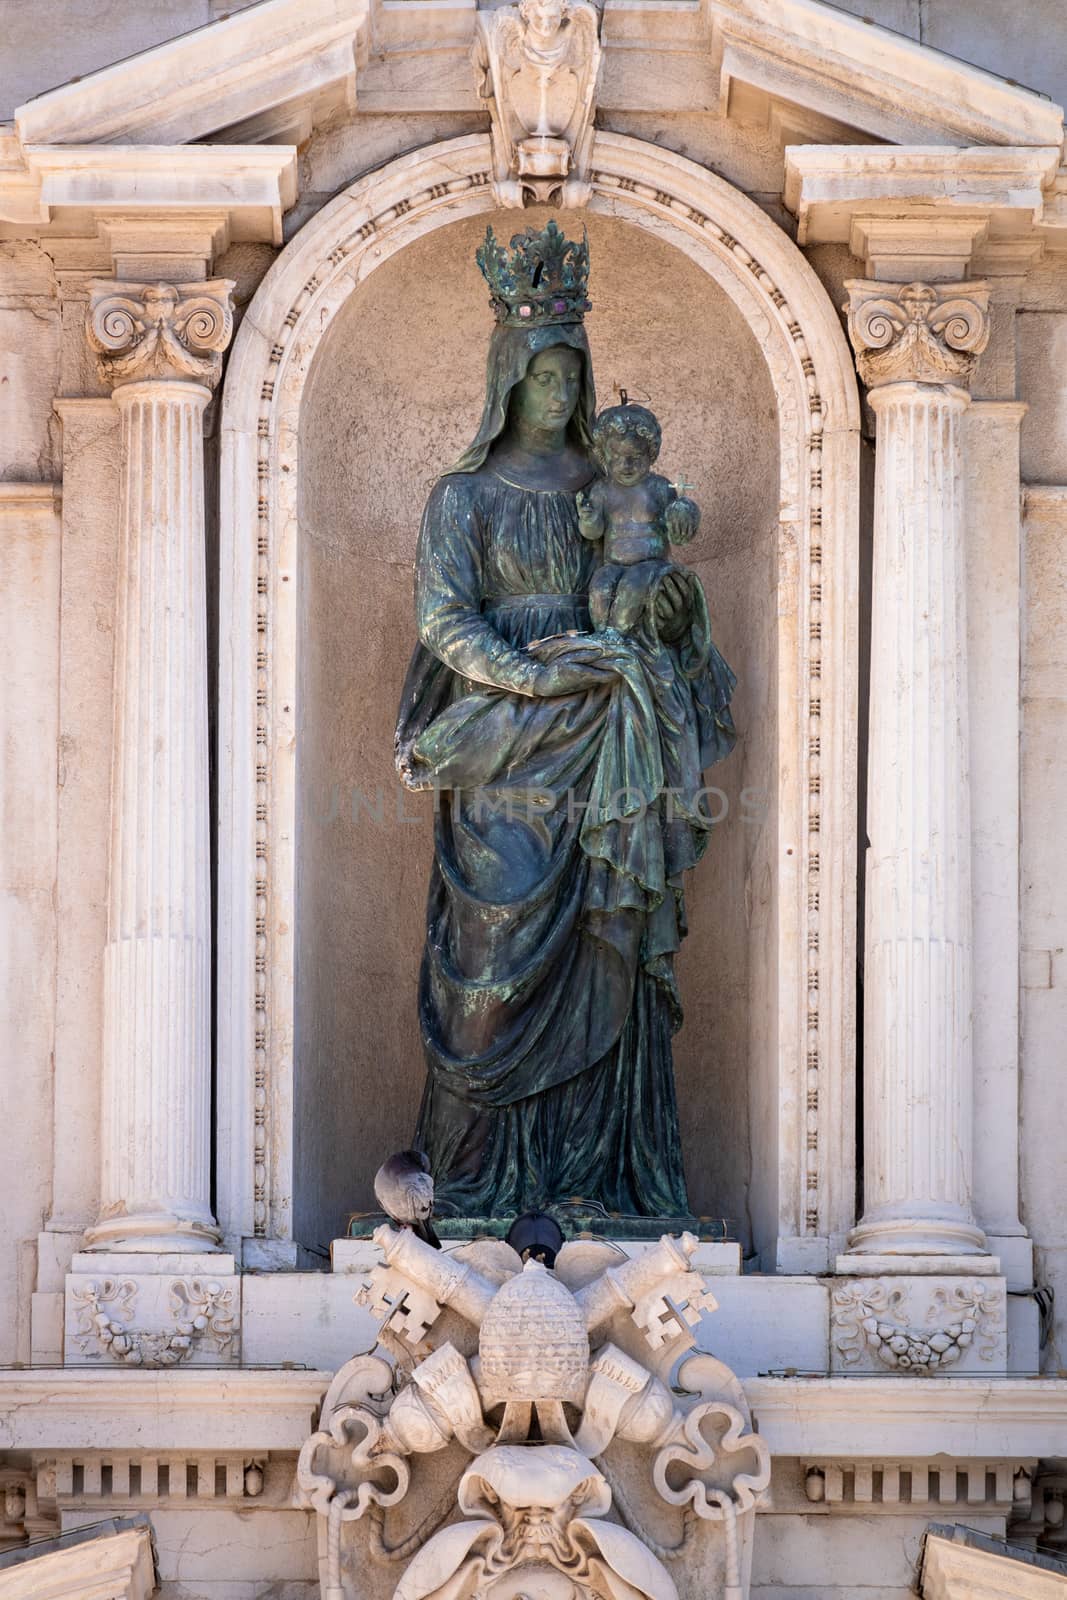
(766, 1061)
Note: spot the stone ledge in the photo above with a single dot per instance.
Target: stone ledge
(113, 1559)
(854, 1418)
(867, 1418)
(961, 1564)
(75, 1408)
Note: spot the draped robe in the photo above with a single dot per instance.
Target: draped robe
(563, 827)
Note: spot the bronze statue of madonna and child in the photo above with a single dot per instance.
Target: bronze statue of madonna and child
(563, 700)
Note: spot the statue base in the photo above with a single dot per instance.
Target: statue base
(576, 1221)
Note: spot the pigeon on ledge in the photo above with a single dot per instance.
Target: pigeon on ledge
(403, 1188)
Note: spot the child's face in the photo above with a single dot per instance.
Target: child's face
(627, 458)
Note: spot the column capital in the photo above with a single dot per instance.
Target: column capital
(917, 332)
(170, 331)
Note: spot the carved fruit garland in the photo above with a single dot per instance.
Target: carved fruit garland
(202, 1311)
(865, 1317)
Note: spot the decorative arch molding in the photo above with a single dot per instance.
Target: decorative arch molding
(802, 341)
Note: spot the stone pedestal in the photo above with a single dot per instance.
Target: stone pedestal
(919, 1324)
(916, 347)
(159, 344)
(118, 1314)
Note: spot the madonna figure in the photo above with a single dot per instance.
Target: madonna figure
(568, 770)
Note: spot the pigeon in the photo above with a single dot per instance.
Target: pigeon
(403, 1188)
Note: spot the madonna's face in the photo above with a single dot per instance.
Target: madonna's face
(548, 395)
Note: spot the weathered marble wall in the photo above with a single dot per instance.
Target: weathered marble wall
(1043, 963)
(30, 336)
(29, 661)
(395, 396)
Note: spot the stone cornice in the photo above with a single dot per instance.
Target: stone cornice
(930, 196)
(1045, 502)
(23, 502)
(72, 1408)
(280, 64)
(886, 1418)
(892, 87)
(250, 186)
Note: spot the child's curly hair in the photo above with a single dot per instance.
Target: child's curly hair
(625, 421)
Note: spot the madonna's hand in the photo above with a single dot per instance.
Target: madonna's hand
(554, 678)
(672, 606)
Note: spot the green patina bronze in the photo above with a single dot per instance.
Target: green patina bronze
(577, 1222)
(567, 751)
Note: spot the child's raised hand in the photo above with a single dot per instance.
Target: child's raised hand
(682, 517)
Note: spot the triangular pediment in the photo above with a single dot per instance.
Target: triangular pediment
(960, 1563)
(814, 57)
(239, 95)
(263, 71)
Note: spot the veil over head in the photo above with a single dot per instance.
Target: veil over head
(511, 349)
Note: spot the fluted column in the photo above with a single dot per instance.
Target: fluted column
(916, 347)
(160, 346)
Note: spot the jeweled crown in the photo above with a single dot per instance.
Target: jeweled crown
(543, 281)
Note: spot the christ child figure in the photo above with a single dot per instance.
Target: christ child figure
(636, 512)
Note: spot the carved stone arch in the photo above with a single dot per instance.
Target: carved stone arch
(808, 1199)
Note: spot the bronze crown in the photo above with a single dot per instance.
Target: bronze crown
(542, 282)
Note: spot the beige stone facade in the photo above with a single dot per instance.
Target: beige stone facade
(240, 334)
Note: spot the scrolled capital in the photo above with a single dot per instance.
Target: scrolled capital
(142, 331)
(917, 332)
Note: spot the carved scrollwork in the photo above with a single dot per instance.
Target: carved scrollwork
(917, 332)
(713, 1464)
(571, 1363)
(869, 1316)
(331, 1468)
(159, 330)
